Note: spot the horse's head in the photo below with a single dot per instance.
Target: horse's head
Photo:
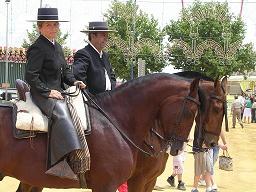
(177, 115)
(212, 110)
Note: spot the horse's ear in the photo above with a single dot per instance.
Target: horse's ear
(217, 86)
(224, 83)
(194, 87)
(216, 83)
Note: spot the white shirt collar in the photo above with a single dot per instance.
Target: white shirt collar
(100, 53)
(108, 82)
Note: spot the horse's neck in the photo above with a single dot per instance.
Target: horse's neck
(135, 110)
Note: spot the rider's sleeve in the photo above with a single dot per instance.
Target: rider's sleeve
(80, 65)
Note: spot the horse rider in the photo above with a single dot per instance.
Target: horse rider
(91, 64)
(46, 72)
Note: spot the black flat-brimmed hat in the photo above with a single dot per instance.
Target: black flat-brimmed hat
(98, 26)
(47, 14)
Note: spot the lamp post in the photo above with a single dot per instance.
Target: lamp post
(7, 48)
(133, 38)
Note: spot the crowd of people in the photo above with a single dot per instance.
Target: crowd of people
(243, 110)
(18, 55)
(15, 55)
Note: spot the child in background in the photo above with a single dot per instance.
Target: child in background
(178, 169)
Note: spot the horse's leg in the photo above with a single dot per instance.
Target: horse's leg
(136, 184)
(150, 186)
(104, 190)
(23, 187)
(148, 171)
(1, 176)
(36, 189)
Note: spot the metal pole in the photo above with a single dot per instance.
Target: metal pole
(132, 76)
(182, 3)
(7, 48)
(41, 3)
(133, 39)
(241, 8)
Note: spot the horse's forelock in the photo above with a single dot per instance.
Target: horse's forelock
(202, 98)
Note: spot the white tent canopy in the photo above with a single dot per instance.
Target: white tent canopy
(241, 78)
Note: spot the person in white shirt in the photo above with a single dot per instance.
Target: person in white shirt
(236, 110)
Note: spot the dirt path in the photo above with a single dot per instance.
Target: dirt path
(242, 147)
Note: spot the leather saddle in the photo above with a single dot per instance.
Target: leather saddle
(22, 88)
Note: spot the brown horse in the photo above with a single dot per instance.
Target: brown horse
(133, 108)
(208, 120)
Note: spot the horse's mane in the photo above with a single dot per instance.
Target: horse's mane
(142, 79)
(193, 74)
(132, 83)
(185, 75)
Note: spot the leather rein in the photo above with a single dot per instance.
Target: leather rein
(84, 92)
(123, 134)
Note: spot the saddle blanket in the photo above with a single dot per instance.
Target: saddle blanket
(30, 117)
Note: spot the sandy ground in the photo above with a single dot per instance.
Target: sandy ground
(242, 147)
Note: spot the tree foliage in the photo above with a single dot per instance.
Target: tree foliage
(127, 44)
(210, 21)
(34, 34)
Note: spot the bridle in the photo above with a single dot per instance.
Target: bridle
(165, 142)
(201, 130)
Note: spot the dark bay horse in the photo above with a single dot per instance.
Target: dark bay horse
(134, 109)
(212, 97)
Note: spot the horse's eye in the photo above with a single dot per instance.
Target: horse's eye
(191, 111)
(217, 106)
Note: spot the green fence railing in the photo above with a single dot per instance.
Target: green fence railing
(15, 71)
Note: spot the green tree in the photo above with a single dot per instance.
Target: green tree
(34, 34)
(127, 45)
(212, 32)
